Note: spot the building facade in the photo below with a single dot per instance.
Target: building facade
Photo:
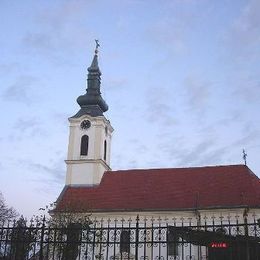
(157, 207)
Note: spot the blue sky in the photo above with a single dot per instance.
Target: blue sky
(181, 78)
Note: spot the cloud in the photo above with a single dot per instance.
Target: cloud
(25, 124)
(171, 30)
(20, 91)
(214, 157)
(244, 34)
(132, 164)
(248, 139)
(7, 68)
(226, 121)
(24, 129)
(185, 150)
(47, 177)
(55, 173)
(159, 106)
(116, 83)
(61, 118)
(248, 90)
(40, 41)
(211, 151)
(50, 180)
(61, 30)
(169, 33)
(242, 42)
(197, 92)
(193, 155)
(29, 127)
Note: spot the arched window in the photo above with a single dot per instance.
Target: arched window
(105, 150)
(84, 145)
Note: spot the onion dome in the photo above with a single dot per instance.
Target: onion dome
(92, 102)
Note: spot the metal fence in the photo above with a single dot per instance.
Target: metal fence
(155, 239)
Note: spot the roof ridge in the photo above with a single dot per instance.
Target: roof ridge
(176, 168)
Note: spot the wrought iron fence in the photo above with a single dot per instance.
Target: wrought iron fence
(158, 239)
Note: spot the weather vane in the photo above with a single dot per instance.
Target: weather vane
(244, 156)
(97, 45)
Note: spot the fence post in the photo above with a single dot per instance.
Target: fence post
(136, 237)
(42, 238)
(245, 214)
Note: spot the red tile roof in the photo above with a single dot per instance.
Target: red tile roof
(166, 189)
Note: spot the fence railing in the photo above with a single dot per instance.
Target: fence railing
(160, 239)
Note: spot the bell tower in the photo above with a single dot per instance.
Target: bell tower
(90, 134)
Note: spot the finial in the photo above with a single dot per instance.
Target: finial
(97, 45)
(244, 156)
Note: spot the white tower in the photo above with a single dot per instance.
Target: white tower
(90, 134)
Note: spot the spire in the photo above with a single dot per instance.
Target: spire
(92, 102)
(94, 64)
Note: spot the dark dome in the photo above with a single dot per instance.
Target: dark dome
(92, 102)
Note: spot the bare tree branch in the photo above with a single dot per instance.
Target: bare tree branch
(6, 213)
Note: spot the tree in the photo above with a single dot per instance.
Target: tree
(66, 230)
(6, 213)
(22, 239)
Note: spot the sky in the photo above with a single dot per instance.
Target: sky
(181, 78)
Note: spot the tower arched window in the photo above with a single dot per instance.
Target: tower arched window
(84, 145)
(105, 150)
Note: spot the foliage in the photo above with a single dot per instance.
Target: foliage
(68, 227)
(6, 213)
(21, 240)
(64, 218)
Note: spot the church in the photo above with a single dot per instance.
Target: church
(172, 197)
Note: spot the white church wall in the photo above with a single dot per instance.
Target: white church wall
(208, 215)
(153, 227)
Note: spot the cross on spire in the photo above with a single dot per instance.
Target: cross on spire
(244, 156)
(97, 46)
